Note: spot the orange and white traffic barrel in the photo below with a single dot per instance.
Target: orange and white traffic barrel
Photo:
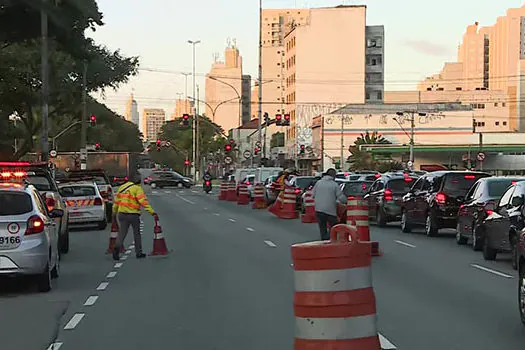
(223, 191)
(231, 195)
(357, 215)
(259, 201)
(244, 195)
(309, 216)
(334, 300)
(288, 209)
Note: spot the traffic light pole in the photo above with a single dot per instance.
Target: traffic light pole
(259, 138)
(45, 83)
(83, 137)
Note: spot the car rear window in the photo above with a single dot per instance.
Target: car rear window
(401, 185)
(304, 182)
(460, 184)
(14, 203)
(78, 191)
(356, 188)
(99, 179)
(41, 182)
(498, 187)
(340, 176)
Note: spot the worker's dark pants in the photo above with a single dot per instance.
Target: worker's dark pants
(126, 220)
(323, 219)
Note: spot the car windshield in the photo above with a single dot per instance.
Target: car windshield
(78, 191)
(340, 176)
(498, 187)
(304, 182)
(356, 188)
(15, 203)
(460, 184)
(401, 185)
(41, 182)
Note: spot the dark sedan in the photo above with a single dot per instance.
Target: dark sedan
(479, 203)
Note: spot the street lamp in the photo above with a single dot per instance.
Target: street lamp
(194, 167)
(236, 91)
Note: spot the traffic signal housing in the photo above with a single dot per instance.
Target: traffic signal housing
(286, 121)
(186, 119)
(93, 120)
(97, 146)
(159, 145)
(302, 149)
(187, 163)
(256, 151)
(228, 148)
(266, 119)
(278, 119)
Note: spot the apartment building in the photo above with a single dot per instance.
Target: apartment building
(152, 121)
(246, 98)
(182, 106)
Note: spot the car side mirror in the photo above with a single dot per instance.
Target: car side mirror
(490, 206)
(517, 201)
(56, 213)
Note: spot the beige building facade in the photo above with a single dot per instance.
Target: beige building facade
(152, 121)
(132, 111)
(182, 106)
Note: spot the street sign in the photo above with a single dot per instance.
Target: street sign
(409, 163)
(481, 156)
(247, 154)
(168, 144)
(228, 160)
(258, 144)
(53, 153)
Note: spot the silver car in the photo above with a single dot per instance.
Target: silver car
(85, 203)
(28, 235)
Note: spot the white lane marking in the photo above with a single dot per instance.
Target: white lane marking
(406, 244)
(186, 200)
(192, 191)
(250, 229)
(386, 344)
(232, 220)
(205, 208)
(128, 251)
(486, 269)
(91, 300)
(55, 346)
(217, 214)
(74, 321)
(118, 265)
(154, 192)
(167, 192)
(103, 286)
(125, 257)
(270, 244)
(111, 274)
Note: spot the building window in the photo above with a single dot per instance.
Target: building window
(379, 95)
(503, 104)
(504, 123)
(459, 88)
(495, 104)
(367, 95)
(497, 123)
(374, 62)
(278, 63)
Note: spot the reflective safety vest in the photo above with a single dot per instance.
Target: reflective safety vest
(130, 198)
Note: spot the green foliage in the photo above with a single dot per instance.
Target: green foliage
(362, 160)
(384, 167)
(277, 140)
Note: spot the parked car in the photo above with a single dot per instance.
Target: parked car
(504, 224)
(85, 204)
(435, 198)
(301, 184)
(103, 183)
(249, 181)
(521, 278)
(385, 197)
(479, 202)
(162, 179)
(28, 234)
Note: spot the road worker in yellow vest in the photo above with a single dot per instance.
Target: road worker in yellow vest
(129, 199)
(283, 181)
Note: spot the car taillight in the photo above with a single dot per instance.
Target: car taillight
(489, 212)
(351, 198)
(247, 182)
(377, 176)
(297, 191)
(388, 195)
(408, 179)
(208, 183)
(98, 201)
(126, 178)
(441, 198)
(35, 225)
(363, 186)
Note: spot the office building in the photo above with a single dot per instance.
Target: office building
(152, 121)
(132, 111)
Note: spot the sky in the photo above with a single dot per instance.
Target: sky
(420, 36)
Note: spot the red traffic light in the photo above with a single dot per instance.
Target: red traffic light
(232, 141)
(303, 147)
(228, 148)
(187, 162)
(97, 146)
(287, 117)
(93, 120)
(256, 151)
(278, 117)
(159, 142)
(186, 116)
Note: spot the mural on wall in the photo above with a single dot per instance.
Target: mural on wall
(305, 113)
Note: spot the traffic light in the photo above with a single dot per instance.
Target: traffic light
(278, 119)
(232, 142)
(97, 146)
(256, 151)
(228, 148)
(187, 163)
(302, 149)
(266, 119)
(286, 121)
(93, 120)
(159, 145)
(186, 120)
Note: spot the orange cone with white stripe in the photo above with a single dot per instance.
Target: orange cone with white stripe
(159, 243)
(113, 236)
(244, 195)
(357, 215)
(309, 216)
(259, 201)
(334, 300)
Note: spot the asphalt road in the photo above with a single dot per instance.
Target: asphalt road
(228, 284)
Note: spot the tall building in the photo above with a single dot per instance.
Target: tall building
(246, 98)
(375, 67)
(152, 121)
(132, 111)
(182, 106)
(224, 90)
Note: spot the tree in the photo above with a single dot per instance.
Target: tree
(362, 160)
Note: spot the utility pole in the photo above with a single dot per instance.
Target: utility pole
(83, 133)
(197, 165)
(259, 138)
(194, 127)
(45, 82)
(342, 162)
(412, 127)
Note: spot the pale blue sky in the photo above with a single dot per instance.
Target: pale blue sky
(420, 36)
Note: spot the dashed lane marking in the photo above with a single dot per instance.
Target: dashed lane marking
(405, 244)
(125, 257)
(154, 192)
(186, 200)
(74, 321)
(118, 265)
(91, 300)
(486, 269)
(55, 346)
(128, 251)
(103, 286)
(193, 191)
(250, 229)
(386, 344)
(167, 192)
(205, 208)
(112, 274)
(217, 214)
(232, 220)
(270, 244)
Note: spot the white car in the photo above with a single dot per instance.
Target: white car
(85, 203)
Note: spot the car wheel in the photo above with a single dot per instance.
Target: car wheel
(64, 242)
(430, 225)
(488, 252)
(477, 240)
(515, 252)
(103, 224)
(405, 224)
(521, 292)
(460, 239)
(43, 280)
(55, 272)
(153, 185)
(381, 218)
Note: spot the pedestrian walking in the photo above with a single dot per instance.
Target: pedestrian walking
(129, 199)
(327, 194)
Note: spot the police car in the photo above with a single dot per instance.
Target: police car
(85, 203)
(29, 235)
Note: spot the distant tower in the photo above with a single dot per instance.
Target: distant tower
(132, 110)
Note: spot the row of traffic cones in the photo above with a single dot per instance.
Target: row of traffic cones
(159, 242)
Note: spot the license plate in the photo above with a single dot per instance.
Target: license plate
(75, 214)
(10, 242)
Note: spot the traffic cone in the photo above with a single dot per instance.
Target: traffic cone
(159, 243)
(309, 216)
(113, 238)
